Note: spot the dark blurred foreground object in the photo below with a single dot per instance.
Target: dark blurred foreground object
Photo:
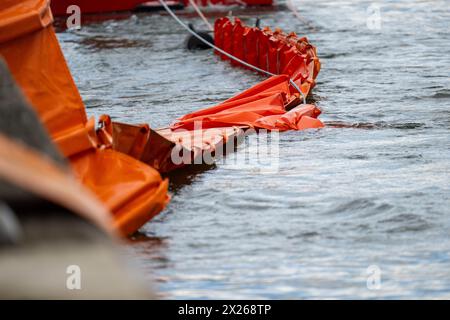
(193, 43)
(49, 221)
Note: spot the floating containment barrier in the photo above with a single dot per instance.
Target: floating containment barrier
(276, 52)
(120, 163)
(132, 191)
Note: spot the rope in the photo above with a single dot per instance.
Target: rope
(175, 17)
(291, 7)
(200, 13)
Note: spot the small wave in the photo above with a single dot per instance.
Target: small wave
(441, 94)
(405, 222)
(375, 125)
(98, 43)
(304, 235)
(357, 157)
(359, 205)
(334, 55)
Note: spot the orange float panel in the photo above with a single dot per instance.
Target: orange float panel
(164, 149)
(218, 34)
(265, 106)
(272, 51)
(263, 49)
(37, 64)
(237, 41)
(227, 44)
(132, 191)
(250, 46)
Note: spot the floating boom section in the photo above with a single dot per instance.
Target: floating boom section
(213, 131)
(264, 106)
(273, 104)
(133, 191)
(274, 51)
(164, 149)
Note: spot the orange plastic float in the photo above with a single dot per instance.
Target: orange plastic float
(262, 107)
(133, 191)
(164, 149)
(273, 51)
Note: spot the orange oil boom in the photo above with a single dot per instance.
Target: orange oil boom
(119, 162)
(273, 104)
(133, 191)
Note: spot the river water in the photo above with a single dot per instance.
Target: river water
(347, 206)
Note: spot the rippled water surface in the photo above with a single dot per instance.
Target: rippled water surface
(343, 199)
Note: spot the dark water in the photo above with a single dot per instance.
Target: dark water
(343, 199)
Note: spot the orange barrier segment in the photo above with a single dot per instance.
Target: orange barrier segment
(274, 103)
(268, 105)
(273, 51)
(164, 149)
(133, 191)
(264, 106)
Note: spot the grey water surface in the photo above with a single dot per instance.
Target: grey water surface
(367, 196)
